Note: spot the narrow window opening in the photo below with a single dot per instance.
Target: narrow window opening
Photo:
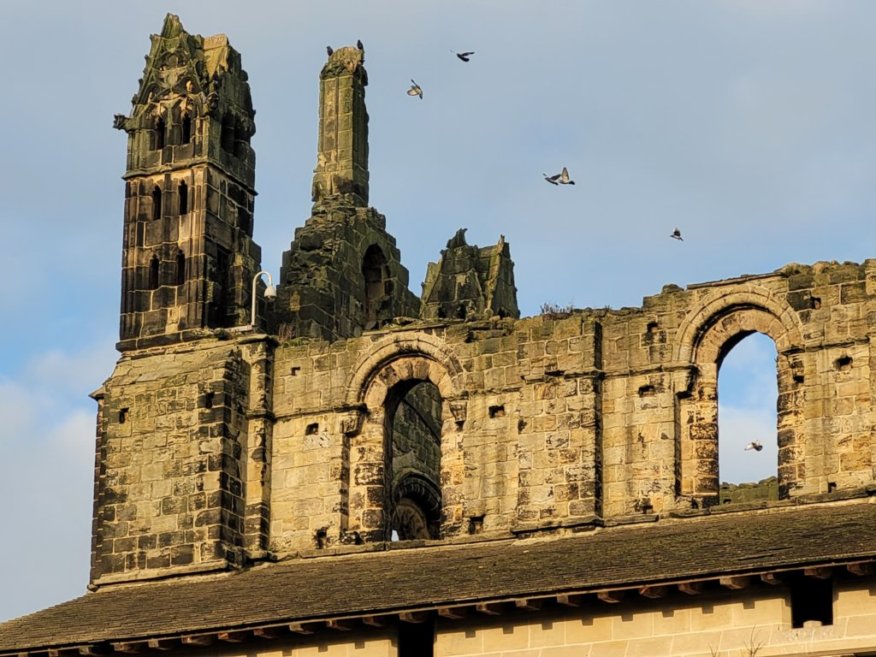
(748, 421)
(160, 128)
(141, 233)
(153, 273)
(183, 194)
(811, 602)
(209, 399)
(186, 129)
(312, 429)
(180, 268)
(123, 415)
(416, 639)
(156, 202)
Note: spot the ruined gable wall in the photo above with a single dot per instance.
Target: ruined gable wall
(552, 420)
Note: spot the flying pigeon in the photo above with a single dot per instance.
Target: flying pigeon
(676, 235)
(755, 445)
(561, 178)
(415, 90)
(465, 56)
(329, 50)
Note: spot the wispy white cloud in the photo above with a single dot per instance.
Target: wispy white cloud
(48, 440)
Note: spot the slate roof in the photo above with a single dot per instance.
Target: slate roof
(395, 580)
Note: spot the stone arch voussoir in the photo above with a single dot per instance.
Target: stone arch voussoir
(723, 313)
(404, 358)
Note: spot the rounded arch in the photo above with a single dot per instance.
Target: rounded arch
(752, 305)
(426, 355)
(387, 372)
(722, 318)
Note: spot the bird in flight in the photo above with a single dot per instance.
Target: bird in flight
(755, 445)
(676, 235)
(329, 50)
(465, 56)
(415, 90)
(561, 178)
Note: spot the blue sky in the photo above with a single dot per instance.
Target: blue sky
(747, 124)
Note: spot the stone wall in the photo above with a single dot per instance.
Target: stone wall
(548, 423)
(170, 487)
(755, 624)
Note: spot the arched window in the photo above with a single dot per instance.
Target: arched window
(153, 273)
(182, 192)
(186, 136)
(375, 275)
(180, 268)
(414, 463)
(747, 420)
(160, 128)
(156, 202)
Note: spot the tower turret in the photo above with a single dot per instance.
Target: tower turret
(188, 254)
(342, 151)
(342, 273)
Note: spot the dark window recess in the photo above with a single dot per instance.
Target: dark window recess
(153, 273)
(209, 399)
(811, 600)
(156, 203)
(180, 268)
(186, 129)
(159, 134)
(123, 415)
(141, 233)
(416, 639)
(312, 429)
(182, 193)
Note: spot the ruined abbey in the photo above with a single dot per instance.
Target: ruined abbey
(334, 466)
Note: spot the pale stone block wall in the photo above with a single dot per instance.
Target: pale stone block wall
(738, 626)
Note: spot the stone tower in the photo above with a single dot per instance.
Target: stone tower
(342, 273)
(188, 254)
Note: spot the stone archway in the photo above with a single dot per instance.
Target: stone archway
(375, 387)
(707, 335)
